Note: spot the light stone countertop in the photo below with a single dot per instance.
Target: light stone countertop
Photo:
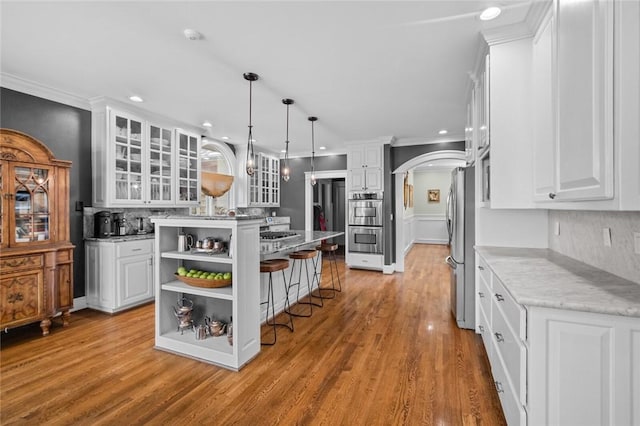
(121, 238)
(542, 277)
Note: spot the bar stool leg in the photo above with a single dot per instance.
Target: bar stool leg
(335, 265)
(271, 303)
(298, 302)
(319, 279)
(310, 283)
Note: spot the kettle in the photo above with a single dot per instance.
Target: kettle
(183, 314)
(185, 242)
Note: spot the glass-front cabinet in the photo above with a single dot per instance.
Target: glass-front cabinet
(36, 255)
(137, 161)
(188, 167)
(264, 185)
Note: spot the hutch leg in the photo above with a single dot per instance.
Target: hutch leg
(66, 315)
(44, 325)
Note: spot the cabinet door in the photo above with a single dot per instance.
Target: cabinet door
(30, 204)
(544, 157)
(4, 205)
(274, 198)
(127, 154)
(135, 277)
(21, 297)
(64, 284)
(468, 132)
(585, 99)
(373, 179)
(373, 156)
(188, 168)
(161, 165)
(357, 180)
(355, 157)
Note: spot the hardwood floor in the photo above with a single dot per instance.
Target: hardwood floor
(385, 351)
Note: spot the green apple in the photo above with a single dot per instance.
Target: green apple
(227, 275)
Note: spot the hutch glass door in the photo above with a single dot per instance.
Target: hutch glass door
(31, 209)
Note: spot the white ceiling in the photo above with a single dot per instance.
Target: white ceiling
(366, 69)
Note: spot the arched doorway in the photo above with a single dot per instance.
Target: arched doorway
(457, 158)
(218, 159)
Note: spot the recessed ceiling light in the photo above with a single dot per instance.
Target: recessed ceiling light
(207, 124)
(253, 140)
(192, 34)
(135, 98)
(323, 147)
(443, 132)
(283, 150)
(225, 138)
(430, 165)
(490, 13)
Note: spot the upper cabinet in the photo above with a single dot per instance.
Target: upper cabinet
(574, 104)
(263, 188)
(141, 160)
(365, 165)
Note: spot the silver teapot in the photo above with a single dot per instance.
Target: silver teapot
(215, 328)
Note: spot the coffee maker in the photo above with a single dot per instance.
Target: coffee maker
(102, 224)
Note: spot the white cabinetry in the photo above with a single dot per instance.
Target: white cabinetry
(579, 368)
(573, 104)
(119, 275)
(139, 160)
(238, 303)
(365, 165)
(263, 188)
(555, 366)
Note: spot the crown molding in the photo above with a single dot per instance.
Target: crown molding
(379, 140)
(507, 33)
(536, 14)
(33, 88)
(453, 137)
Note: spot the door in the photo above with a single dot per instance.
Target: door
(136, 279)
(339, 197)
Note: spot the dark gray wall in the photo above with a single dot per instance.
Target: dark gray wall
(394, 157)
(292, 192)
(402, 154)
(66, 131)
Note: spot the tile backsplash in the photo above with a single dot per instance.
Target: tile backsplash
(581, 237)
(131, 216)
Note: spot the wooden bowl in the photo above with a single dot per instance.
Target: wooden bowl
(199, 282)
(215, 184)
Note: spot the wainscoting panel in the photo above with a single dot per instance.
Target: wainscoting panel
(425, 229)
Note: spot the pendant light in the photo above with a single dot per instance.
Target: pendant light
(286, 172)
(250, 165)
(313, 152)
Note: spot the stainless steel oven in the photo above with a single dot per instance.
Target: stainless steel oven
(365, 239)
(365, 212)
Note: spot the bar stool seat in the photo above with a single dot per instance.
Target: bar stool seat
(269, 266)
(304, 256)
(330, 251)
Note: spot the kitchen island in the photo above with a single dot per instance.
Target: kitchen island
(237, 304)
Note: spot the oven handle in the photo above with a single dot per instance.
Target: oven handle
(452, 263)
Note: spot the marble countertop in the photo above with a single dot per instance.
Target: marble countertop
(542, 277)
(121, 238)
(215, 217)
(303, 238)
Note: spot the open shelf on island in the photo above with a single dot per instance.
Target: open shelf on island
(177, 342)
(206, 257)
(225, 293)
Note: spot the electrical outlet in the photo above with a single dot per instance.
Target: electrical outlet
(556, 230)
(606, 235)
(636, 242)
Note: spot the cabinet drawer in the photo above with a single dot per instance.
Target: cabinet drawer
(64, 256)
(484, 297)
(513, 411)
(513, 353)
(12, 264)
(485, 331)
(134, 248)
(514, 314)
(484, 271)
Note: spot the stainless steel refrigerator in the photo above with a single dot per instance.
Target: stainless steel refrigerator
(460, 216)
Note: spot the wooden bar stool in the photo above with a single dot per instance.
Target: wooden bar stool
(329, 250)
(270, 266)
(304, 256)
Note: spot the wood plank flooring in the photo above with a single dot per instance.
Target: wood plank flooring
(385, 351)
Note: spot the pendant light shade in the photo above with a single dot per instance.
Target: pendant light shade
(250, 162)
(286, 171)
(313, 152)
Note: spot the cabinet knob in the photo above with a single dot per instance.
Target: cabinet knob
(481, 268)
(480, 294)
(552, 195)
(499, 297)
(499, 387)
(481, 328)
(499, 337)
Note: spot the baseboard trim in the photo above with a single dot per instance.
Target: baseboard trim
(389, 269)
(79, 303)
(430, 241)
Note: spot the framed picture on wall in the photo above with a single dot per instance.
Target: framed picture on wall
(433, 195)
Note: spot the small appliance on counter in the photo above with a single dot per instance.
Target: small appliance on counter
(102, 224)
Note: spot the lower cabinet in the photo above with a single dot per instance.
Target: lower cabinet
(119, 275)
(555, 366)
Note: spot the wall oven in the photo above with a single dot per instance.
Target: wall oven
(365, 239)
(365, 212)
